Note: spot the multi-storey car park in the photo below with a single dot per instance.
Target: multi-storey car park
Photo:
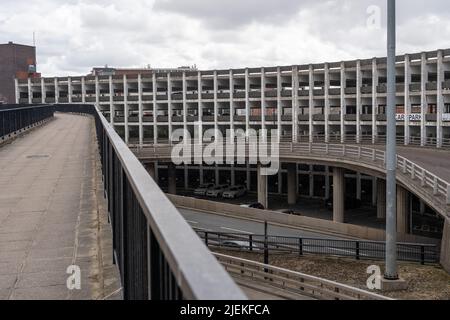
(339, 102)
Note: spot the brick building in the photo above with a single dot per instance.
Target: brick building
(16, 61)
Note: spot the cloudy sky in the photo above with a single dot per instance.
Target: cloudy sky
(75, 35)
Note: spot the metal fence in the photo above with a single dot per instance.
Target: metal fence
(14, 119)
(158, 254)
(358, 249)
(292, 282)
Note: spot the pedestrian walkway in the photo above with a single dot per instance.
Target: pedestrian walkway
(52, 215)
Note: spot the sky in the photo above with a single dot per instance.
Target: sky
(73, 36)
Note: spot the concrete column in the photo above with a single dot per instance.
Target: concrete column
(172, 173)
(200, 108)
(56, 90)
(407, 102)
(292, 183)
(216, 103)
(445, 246)
(294, 104)
(111, 101)
(83, 89)
(263, 104)
(422, 206)
(262, 188)
(184, 89)
(327, 102)
(97, 92)
(16, 86)
(358, 186)
(125, 107)
(169, 104)
(69, 89)
(402, 209)
(423, 99)
(155, 116)
(311, 182)
(151, 169)
(381, 199)
(358, 101)
(42, 91)
(311, 102)
(327, 183)
(374, 100)
(247, 102)
(141, 111)
(186, 177)
(439, 98)
(232, 111)
(279, 108)
(343, 102)
(30, 92)
(338, 194)
(248, 177)
(374, 191)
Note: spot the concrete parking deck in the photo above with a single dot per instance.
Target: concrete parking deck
(52, 214)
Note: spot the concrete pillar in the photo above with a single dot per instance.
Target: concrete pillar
(172, 173)
(30, 92)
(69, 89)
(311, 101)
(358, 186)
(423, 99)
(422, 206)
(381, 199)
(262, 188)
(292, 183)
(402, 209)
(126, 108)
(338, 194)
(407, 99)
(150, 167)
(445, 246)
(141, 111)
(155, 117)
(16, 86)
(83, 90)
(343, 85)
(358, 101)
(439, 98)
(43, 90)
(374, 100)
(327, 102)
(294, 103)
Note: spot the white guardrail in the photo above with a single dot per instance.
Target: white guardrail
(368, 155)
(293, 282)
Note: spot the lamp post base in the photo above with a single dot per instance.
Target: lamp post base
(393, 285)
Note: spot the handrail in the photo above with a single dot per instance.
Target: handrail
(293, 281)
(158, 254)
(19, 118)
(358, 249)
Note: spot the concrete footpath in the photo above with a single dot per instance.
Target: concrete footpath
(52, 215)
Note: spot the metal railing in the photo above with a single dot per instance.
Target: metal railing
(358, 249)
(158, 254)
(16, 118)
(292, 281)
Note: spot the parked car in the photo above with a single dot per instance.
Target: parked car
(216, 191)
(234, 192)
(203, 188)
(287, 211)
(349, 203)
(255, 205)
(240, 244)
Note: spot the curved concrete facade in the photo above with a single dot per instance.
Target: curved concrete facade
(325, 102)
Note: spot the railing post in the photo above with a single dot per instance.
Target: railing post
(357, 250)
(250, 241)
(404, 166)
(206, 238)
(300, 246)
(413, 172)
(448, 194)
(359, 152)
(422, 255)
(435, 186)
(374, 155)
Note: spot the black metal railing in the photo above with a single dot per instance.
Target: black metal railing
(158, 255)
(358, 249)
(15, 118)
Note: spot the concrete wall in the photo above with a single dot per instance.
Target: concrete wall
(342, 229)
(445, 246)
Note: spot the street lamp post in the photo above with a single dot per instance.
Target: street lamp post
(391, 152)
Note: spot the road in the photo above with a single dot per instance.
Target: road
(219, 223)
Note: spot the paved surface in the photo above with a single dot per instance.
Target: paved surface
(52, 215)
(434, 160)
(219, 223)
